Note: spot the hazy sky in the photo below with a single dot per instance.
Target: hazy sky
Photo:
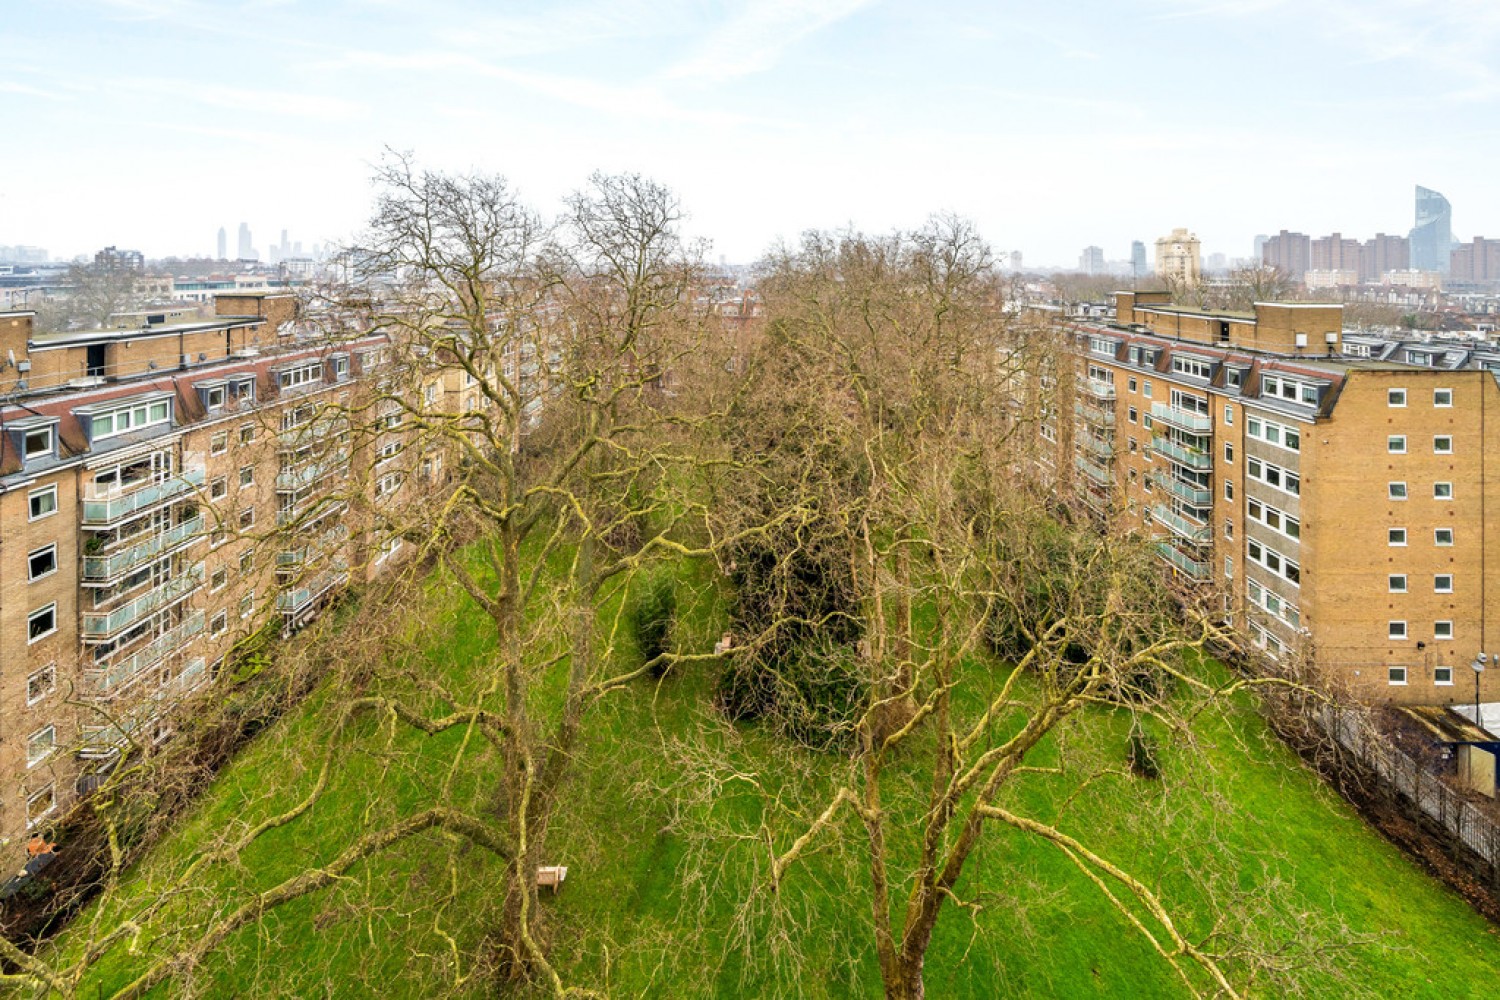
(150, 123)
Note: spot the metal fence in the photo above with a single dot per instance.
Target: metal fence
(1405, 776)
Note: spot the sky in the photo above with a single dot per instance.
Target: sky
(151, 123)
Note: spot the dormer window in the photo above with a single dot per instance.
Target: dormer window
(340, 363)
(213, 395)
(242, 388)
(301, 375)
(105, 421)
(35, 438)
(38, 443)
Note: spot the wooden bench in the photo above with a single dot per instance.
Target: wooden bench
(552, 875)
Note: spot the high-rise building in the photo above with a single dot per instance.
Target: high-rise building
(1383, 254)
(1330, 493)
(1177, 257)
(142, 473)
(1432, 236)
(246, 247)
(113, 259)
(1475, 263)
(1334, 253)
(1260, 243)
(1289, 253)
(223, 244)
(1091, 260)
(1138, 264)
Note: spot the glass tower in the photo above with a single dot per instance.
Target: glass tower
(1432, 236)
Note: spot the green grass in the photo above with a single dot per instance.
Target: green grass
(660, 902)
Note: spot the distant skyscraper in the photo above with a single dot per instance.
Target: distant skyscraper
(223, 243)
(1432, 236)
(1477, 262)
(1138, 265)
(1383, 253)
(1289, 253)
(1091, 261)
(1260, 245)
(1177, 257)
(247, 248)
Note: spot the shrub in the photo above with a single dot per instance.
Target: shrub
(651, 618)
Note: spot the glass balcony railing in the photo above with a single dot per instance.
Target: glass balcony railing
(1089, 469)
(1193, 458)
(1192, 568)
(1094, 446)
(109, 680)
(296, 479)
(300, 598)
(1097, 389)
(102, 568)
(1104, 416)
(1186, 420)
(1180, 526)
(106, 510)
(1198, 496)
(100, 625)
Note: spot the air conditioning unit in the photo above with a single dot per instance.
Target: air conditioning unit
(1301, 340)
(245, 352)
(1330, 338)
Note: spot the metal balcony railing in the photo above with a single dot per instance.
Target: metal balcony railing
(1186, 420)
(106, 510)
(1193, 458)
(1180, 526)
(109, 680)
(100, 569)
(101, 625)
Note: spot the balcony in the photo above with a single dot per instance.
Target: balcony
(1096, 389)
(1192, 458)
(1184, 420)
(295, 479)
(1197, 496)
(1100, 415)
(1095, 446)
(1182, 527)
(104, 625)
(1191, 568)
(110, 680)
(1098, 475)
(307, 514)
(112, 508)
(314, 547)
(299, 599)
(102, 569)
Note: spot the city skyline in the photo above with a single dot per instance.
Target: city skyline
(766, 119)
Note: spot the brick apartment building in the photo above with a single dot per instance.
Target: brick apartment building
(1340, 503)
(165, 491)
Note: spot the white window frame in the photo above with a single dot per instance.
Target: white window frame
(1395, 491)
(1442, 398)
(1437, 447)
(1395, 444)
(32, 757)
(1439, 627)
(1396, 630)
(44, 609)
(49, 672)
(34, 496)
(1395, 398)
(1395, 676)
(1395, 583)
(32, 577)
(1395, 537)
(48, 448)
(1438, 489)
(1438, 586)
(1437, 537)
(1437, 675)
(34, 818)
